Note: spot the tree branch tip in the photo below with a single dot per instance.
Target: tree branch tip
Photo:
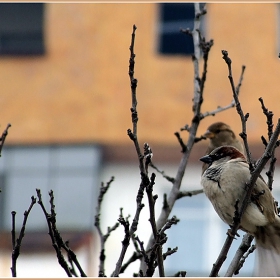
(224, 52)
(226, 57)
(186, 31)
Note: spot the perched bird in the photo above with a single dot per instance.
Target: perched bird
(220, 134)
(224, 182)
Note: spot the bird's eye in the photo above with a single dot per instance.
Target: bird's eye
(218, 155)
(218, 131)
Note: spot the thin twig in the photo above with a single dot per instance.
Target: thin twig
(232, 103)
(189, 193)
(3, 137)
(181, 142)
(239, 110)
(103, 237)
(125, 243)
(17, 243)
(170, 252)
(135, 256)
(59, 254)
(243, 259)
(180, 274)
(152, 200)
(134, 114)
(70, 260)
(132, 229)
(243, 248)
(173, 221)
(168, 178)
(269, 121)
(58, 237)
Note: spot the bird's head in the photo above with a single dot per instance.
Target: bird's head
(219, 132)
(223, 153)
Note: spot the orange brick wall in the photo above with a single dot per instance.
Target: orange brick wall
(80, 91)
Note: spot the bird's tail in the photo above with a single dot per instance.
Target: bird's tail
(268, 251)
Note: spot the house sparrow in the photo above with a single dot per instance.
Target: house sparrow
(224, 183)
(220, 134)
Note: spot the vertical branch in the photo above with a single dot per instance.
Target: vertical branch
(134, 114)
(186, 148)
(243, 248)
(3, 137)
(17, 243)
(15, 253)
(145, 181)
(59, 241)
(129, 232)
(152, 199)
(239, 110)
(197, 100)
(59, 254)
(103, 237)
(269, 121)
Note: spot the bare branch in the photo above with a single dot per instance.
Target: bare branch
(135, 256)
(169, 252)
(103, 237)
(17, 243)
(57, 241)
(3, 137)
(180, 274)
(269, 121)
(168, 178)
(197, 101)
(180, 140)
(243, 248)
(134, 114)
(129, 232)
(239, 110)
(188, 193)
(243, 259)
(232, 104)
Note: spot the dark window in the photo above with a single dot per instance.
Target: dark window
(172, 18)
(21, 29)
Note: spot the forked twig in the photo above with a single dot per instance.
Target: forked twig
(17, 242)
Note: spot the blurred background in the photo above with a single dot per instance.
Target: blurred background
(65, 89)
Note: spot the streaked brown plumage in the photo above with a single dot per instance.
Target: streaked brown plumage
(224, 182)
(220, 134)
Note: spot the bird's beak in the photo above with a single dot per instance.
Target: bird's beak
(209, 134)
(207, 159)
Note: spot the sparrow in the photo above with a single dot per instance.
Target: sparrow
(220, 134)
(224, 182)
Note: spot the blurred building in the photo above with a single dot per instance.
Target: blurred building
(65, 89)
